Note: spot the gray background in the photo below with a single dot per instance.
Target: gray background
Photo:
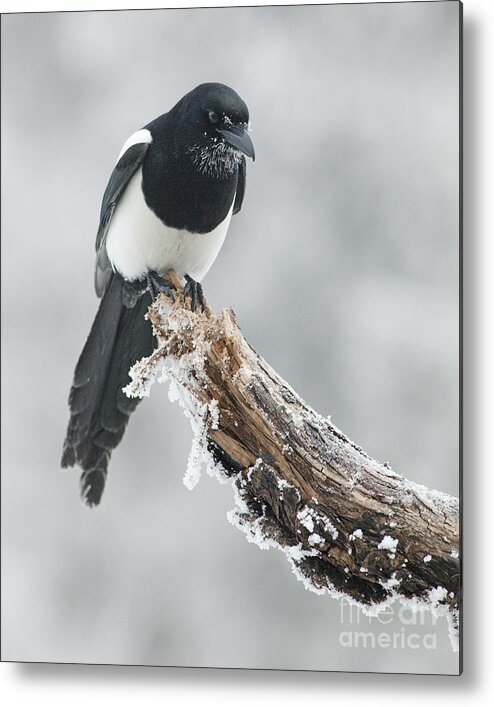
(343, 271)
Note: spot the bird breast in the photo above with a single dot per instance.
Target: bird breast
(138, 241)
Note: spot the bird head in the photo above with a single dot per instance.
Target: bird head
(216, 127)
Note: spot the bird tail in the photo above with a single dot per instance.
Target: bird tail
(99, 410)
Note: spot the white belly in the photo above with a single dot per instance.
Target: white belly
(137, 241)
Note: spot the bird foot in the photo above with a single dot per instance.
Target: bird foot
(194, 289)
(133, 290)
(157, 284)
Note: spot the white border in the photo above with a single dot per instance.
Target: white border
(82, 685)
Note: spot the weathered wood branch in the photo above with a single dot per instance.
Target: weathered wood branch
(348, 524)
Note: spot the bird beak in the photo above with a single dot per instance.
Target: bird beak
(238, 137)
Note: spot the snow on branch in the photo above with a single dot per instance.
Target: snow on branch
(349, 526)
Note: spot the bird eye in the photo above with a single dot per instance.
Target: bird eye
(213, 117)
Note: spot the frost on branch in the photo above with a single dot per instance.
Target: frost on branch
(348, 525)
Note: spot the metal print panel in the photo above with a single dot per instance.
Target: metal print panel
(270, 360)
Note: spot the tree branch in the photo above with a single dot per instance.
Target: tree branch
(349, 525)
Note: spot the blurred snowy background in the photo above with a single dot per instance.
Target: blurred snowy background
(343, 271)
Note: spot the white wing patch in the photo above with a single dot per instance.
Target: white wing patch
(135, 139)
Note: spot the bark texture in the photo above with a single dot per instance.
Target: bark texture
(349, 525)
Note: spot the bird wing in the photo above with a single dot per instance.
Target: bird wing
(239, 196)
(124, 170)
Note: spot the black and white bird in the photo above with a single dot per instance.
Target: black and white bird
(168, 205)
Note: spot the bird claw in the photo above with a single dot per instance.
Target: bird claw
(157, 284)
(133, 290)
(194, 289)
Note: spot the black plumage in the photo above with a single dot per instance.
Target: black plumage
(99, 410)
(124, 170)
(192, 176)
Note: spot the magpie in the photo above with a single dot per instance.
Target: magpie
(167, 205)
